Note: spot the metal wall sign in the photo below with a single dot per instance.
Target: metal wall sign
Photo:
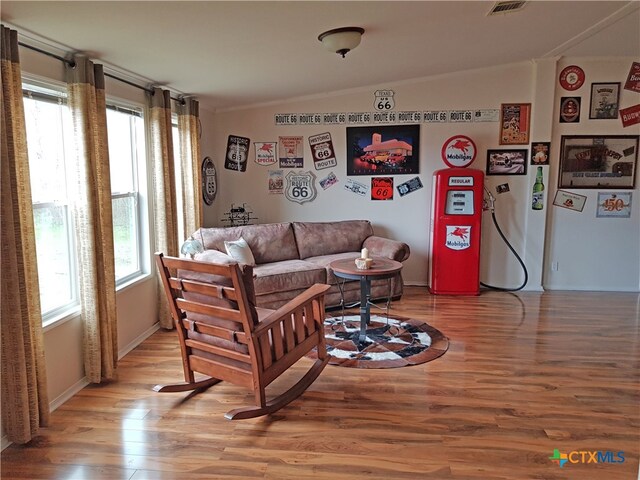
(386, 117)
(237, 153)
(209, 181)
(322, 151)
(300, 187)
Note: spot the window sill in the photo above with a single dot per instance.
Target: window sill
(74, 311)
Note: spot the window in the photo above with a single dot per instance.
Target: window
(125, 127)
(50, 144)
(48, 123)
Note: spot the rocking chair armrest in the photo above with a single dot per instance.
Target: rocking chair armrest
(310, 294)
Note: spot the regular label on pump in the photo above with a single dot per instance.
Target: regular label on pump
(458, 237)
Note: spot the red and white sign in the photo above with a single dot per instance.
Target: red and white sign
(458, 237)
(459, 151)
(633, 79)
(630, 116)
(572, 78)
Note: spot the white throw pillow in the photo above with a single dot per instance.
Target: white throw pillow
(239, 250)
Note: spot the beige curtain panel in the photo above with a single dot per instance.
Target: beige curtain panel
(188, 128)
(164, 189)
(25, 406)
(91, 200)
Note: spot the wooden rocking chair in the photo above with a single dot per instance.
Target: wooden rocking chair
(223, 335)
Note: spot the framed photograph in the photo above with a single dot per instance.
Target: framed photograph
(606, 161)
(605, 100)
(507, 162)
(515, 123)
(383, 150)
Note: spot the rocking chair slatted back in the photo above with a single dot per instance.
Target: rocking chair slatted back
(220, 335)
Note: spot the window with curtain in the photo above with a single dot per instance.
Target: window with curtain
(177, 155)
(50, 142)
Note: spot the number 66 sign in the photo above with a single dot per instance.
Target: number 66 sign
(384, 100)
(300, 187)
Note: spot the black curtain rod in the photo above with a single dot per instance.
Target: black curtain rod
(71, 63)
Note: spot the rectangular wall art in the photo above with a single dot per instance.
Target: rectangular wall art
(383, 150)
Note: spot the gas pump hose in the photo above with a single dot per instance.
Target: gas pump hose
(524, 268)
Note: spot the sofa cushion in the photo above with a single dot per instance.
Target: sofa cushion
(272, 242)
(320, 238)
(325, 260)
(287, 275)
(240, 251)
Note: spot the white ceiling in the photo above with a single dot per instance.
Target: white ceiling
(236, 53)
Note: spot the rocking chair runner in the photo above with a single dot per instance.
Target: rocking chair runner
(224, 336)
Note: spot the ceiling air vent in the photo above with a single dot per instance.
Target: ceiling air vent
(506, 7)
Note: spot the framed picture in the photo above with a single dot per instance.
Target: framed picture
(383, 150)
(605, 100)
(507, 162)
(540, 153)
(515, 123)
(606, 161)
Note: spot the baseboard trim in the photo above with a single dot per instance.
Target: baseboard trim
(68, 393)
(138, 340)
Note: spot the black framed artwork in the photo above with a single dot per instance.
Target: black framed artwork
(383, 150)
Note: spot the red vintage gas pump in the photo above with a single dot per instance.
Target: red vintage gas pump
(456, 217)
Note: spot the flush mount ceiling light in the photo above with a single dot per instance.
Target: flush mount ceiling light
(341, 40)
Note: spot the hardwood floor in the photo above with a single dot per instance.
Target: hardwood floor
(525, 374)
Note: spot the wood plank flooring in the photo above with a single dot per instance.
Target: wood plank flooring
(525, 374)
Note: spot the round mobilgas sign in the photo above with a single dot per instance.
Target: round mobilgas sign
(459, 151)
(572, 77)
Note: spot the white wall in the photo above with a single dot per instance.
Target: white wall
(593, 253)
(406, 218)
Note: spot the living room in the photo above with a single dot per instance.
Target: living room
(563, 249)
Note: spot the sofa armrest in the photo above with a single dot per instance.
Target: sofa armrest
(385, 247)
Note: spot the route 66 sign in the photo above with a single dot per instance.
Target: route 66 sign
(300, 187)
(384, 100)
(209, 185)
(237, 152)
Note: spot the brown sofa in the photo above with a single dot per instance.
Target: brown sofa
(290, 257)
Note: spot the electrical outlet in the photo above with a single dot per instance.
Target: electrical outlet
(554, 266)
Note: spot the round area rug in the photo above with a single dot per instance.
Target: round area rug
(390, 342)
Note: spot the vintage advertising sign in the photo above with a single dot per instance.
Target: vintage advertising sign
(572, 78)
(630, 115)
(514, 123)
(276, 182)
(209, 182)
(356, 187)
(237, 153)
(458, 237)
(384, 100)
(265, 152)
(459, 151)
(570, 109)
(604, 100)
(384, 117)
(382, 188)
(435, 116)
(633, 79)
(300, 187)
(328, 181)
(322, 151)
(569, 200)
(409, 186)
(290, 152)
(617, 205)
